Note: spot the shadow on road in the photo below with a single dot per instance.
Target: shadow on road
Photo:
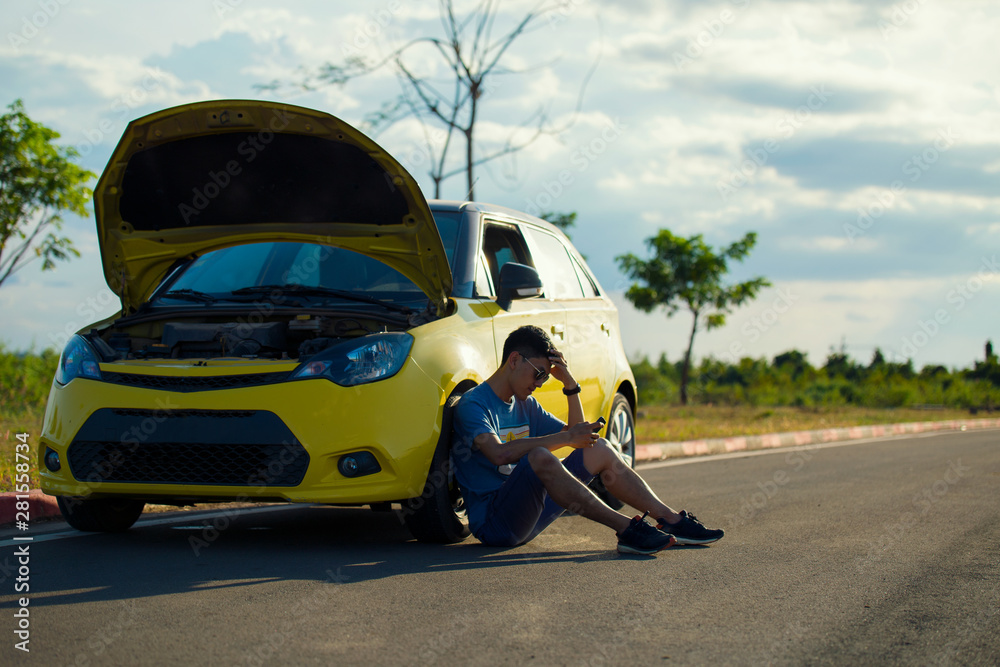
(322, 544)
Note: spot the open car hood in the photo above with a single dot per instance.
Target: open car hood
(203, 176)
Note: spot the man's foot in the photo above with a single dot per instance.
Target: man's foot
(689, 530)
(642, 538)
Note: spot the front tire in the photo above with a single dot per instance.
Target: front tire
(439, 515)
(100, 515)
(621, 436)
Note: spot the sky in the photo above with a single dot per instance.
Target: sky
(859, 140)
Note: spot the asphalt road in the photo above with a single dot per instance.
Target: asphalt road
(884, 552)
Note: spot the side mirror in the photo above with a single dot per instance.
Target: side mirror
(517, 281)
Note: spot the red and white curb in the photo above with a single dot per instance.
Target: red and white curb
(39, 506)
(667, 450)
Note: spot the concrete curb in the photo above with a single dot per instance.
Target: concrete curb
(44, 506)
(667, 450)
(39, 506)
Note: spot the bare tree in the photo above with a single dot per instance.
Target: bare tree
(474, 60)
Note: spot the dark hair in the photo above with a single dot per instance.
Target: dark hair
(529, 340)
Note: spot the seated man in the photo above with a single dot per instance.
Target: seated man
(499, 423)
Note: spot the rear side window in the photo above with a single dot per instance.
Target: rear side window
(590, 290)
(502, 244)
(554, 265)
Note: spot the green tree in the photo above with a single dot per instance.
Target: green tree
(689, 272)
(38, 181)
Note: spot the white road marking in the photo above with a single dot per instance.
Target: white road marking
(160, 521)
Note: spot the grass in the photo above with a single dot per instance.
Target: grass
(25, 422)
(670, 423)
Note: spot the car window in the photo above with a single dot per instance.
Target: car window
(484, 287)
(223, 271)
(502, 244)
(559, 279)
(226, 269)
(590, 290)
(448, 223)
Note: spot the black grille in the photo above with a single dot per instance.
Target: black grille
(187, 384)
(219, 447)
(186, 463)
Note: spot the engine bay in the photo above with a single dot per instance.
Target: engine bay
(292, 337)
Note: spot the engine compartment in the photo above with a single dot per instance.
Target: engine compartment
(291, 337)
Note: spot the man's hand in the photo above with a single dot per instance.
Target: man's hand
(560, 369)
(583, 434)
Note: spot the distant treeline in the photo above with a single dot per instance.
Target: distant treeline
(25, 379)
(789, 379)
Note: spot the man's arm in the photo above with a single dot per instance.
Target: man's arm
(560, 371)
(501, 453)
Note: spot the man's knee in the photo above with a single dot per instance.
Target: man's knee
(543, 462)
(605, 460)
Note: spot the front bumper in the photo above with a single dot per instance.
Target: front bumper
(279, 441)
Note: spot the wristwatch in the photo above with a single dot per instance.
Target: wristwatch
(575, 390)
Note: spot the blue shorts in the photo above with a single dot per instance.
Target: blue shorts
(522, 508)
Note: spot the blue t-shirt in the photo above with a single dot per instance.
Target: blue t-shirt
(481, 411)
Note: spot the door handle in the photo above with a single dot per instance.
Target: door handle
(606, 328)
(559, 330)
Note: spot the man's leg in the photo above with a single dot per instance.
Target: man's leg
(569, 492)
(562, 481)
(624, 483)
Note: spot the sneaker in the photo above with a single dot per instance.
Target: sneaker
(690, 531)
(642, 538)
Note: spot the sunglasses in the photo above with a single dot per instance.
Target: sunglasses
(540, 375)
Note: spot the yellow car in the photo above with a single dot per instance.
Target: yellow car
(297, 322)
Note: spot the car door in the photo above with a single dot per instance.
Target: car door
(502, 242)
(586, 343)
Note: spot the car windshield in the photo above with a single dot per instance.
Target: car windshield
(292, 273)
(300, 272)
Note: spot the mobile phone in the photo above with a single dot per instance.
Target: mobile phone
(600, 424)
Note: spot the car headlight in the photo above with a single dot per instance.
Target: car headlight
(77, 361)
(360, 360)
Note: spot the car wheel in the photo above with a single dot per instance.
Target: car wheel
(100, 515)
(621, 436)
(439, 514)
